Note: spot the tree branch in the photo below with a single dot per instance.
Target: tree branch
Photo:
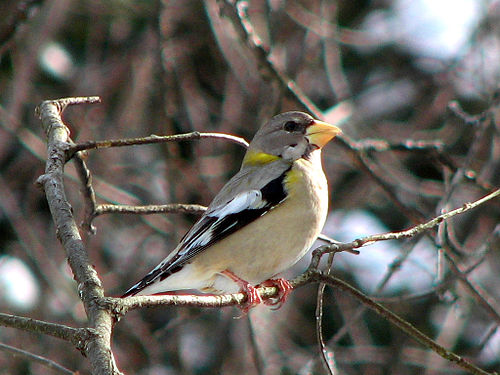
(149, 209)
(336, 247)
(89, 285)
(79, 337)
(402, 324)
(36, 358)
(152, 139)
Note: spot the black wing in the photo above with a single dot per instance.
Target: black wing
(215, 225)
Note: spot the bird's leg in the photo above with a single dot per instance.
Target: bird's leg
(284, 289)
(253, 297)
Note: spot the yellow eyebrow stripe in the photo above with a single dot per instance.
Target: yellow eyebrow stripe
(258, 158)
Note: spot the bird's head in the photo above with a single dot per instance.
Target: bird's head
(290, 136)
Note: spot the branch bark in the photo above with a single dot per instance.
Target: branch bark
(36, 358)
(77, 336)
(98, 349)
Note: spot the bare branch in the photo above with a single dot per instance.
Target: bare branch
(149, 209)
(121, 306)
(77, 336)
(237, 12)
(400, 323)
(152, 139)
(88, 191)
(476, 291)
(326, 356)
(99, 348)
(36, 358)
(399, 235)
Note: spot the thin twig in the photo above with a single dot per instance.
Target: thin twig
(402, 234)
(476, 291)
(73, 335)
(88, 191)
(326, 356)
(400, 323)
(258, 358)
(149, 209)
(152, 139)
(36, 358)
(393, 267)
(237, 12)
(479, 123)
(381, 145)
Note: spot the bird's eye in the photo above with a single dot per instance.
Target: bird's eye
(291, 126)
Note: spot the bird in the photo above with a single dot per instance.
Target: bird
(262, 221)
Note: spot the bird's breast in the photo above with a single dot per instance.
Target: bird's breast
(278, 239)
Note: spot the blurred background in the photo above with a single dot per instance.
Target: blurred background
(405, 69)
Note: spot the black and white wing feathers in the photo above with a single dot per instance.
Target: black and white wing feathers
(217, 223)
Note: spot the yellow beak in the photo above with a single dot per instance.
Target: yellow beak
(319, 133)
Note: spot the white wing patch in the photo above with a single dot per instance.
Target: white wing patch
(251, 199)
(217, 223)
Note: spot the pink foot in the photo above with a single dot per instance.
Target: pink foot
(253, 297)
(284, 289)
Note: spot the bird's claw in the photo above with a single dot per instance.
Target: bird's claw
(253, 296)
(284, 289)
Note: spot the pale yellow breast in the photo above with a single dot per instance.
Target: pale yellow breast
(277, 240)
